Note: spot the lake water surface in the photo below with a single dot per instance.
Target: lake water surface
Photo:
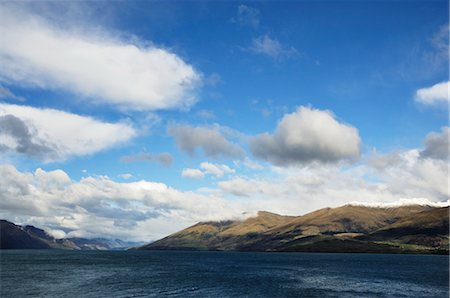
(54, 273)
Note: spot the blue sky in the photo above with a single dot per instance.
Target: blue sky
(242, 105)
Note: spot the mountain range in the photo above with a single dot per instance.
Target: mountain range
(13, 236)
(350, 228)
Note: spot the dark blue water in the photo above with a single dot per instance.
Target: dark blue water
(52, 273)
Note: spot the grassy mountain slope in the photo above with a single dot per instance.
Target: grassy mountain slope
(429, 228)
(220, 235)
(343, 229)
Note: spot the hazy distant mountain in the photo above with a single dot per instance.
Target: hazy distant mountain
(102, 244)
(421, 229)
(29, 237)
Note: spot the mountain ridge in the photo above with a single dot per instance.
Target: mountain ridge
(347, 228)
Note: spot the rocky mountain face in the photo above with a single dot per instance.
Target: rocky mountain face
(407, 229)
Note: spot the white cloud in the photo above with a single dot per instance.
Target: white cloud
(209, 139)
(126, 176)
(58, 234)
(307, 135)
(217, 170)
(145, 210)
(98, 206)
(271, 47)
(433, 95)
(192, 173)
(95, 64)
(408, 174)
(402, 202)
(51, 135)
(295, 192)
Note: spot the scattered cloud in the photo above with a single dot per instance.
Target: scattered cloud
(128, 74)
(209, 139)
(434, 95)
(217, 170)
(213, 79)
(250, 164)
(205, 114)
(192, 173)
(271, 47)
(247, 16)
(437, 145)
(164, 158)
(307, 135)
(126, 176)
(32, 132)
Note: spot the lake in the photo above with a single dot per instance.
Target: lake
(56, 273)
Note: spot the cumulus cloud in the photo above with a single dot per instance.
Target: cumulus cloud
(408, 174)
(95, 64)
(271, 47)
(307, 135)
(433, 95)
(163, 158)
(192, 173)
(247, 16)
(98, 206)
(210, 140)
(145, 210)
(437, 145)
(32, 131)
(296, 191)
